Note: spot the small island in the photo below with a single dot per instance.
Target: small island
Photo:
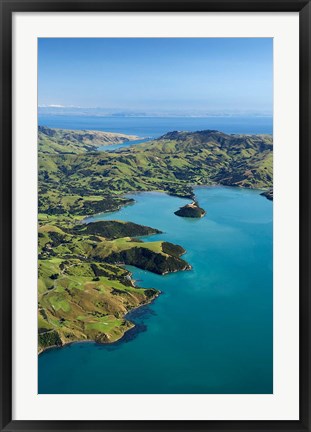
(191, 211)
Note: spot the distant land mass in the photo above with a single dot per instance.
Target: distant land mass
(62, 141)
(84, 290)
(119, 112)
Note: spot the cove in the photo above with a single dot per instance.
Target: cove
(210, 331)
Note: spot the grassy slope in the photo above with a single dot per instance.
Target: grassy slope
(172, 164)
(83, 295)
(83, 292)
(62, 141)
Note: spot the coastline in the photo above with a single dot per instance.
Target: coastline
(130, 194)
(83, 221)
(52, 347)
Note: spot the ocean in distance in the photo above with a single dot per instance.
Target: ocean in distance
(153, 127)
(210, 331)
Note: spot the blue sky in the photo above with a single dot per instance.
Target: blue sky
(191, 76)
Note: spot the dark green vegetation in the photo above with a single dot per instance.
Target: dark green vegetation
(268, 194)
(114, 229)
(156, 261)
(84, 292)
(191, 211)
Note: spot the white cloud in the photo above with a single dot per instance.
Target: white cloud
(57, 106)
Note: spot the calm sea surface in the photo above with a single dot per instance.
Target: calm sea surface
(154, 127)
(211, 329)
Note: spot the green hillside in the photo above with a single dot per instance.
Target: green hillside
(61, 141)
(90, 183)
(84, 291)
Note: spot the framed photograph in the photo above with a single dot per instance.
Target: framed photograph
(155, 216)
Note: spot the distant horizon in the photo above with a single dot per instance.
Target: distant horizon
(157, 125)
(161, 115)
(101, 112)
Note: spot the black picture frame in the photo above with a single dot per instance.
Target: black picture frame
(7, 10)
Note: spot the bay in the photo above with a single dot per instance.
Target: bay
(210, 331)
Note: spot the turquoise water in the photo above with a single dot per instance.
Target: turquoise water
(114, 147)
(153, 127)
(211, 329)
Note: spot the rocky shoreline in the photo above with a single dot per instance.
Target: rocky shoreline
(130, 326)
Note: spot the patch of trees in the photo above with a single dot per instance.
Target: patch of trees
(49, 338)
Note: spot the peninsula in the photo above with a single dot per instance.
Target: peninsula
(84, 290)
(268, 194)
(63, 141)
